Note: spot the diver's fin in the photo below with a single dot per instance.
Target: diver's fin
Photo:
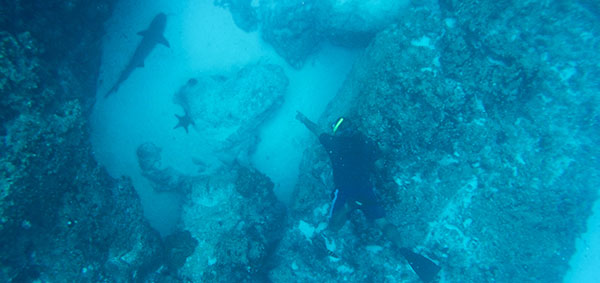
(162, 40)
(425, 268)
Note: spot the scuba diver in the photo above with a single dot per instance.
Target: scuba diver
(353, 158)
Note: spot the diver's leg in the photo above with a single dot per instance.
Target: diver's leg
(338, 212)
(390, 231)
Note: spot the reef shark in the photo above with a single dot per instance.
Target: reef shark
(152, 36)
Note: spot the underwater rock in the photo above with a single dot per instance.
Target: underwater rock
(309, 251)
(164, 179)
(178, 246)
(232, 222)
(354, 23)
(297, 29)
(62, 217)
(228, 111)
(291, 27)
(481, 135)
(236, 232)
(18, 73)
(66, 36)
(244, 14)
(136, 250)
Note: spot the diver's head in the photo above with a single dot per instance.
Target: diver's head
(343, 127)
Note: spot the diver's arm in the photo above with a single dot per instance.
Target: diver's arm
(310, 125)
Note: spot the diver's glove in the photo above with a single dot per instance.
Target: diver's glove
(300, 117)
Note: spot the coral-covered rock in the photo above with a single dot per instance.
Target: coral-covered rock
(354, 23)
(244, 13)
(297, 29)
(165, 179)
(179, 246)
(237, 221)
(228, 111)
(19, 78)
(291, 27)
(135, 249)
(484, 131)
(232, 222)
(62, 218)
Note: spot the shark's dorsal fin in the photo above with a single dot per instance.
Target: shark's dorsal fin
(162, 40)
(142, 33)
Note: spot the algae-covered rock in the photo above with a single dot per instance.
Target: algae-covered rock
(18, 74)
(228, 111)
(179, 246)
(237, 221)
(231, 222)
(291, 27)
(487, 134)
(165, 179)
(244, 13)
(354, 23)
(297, 29)
(135, 250)
(62, 217)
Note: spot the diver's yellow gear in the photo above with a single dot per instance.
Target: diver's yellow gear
(337, 124)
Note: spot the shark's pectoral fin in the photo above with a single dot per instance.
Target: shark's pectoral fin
(162, 40)
(142, 33)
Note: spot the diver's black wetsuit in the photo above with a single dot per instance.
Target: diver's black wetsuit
(353, 161)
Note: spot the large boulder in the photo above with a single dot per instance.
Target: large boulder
(296, 29)
(231, 222)
(228, 111)
(353, 23)
(291, 27)
(164, 179)
(488, 133)
(244, 13)
(238, 223)
(135, 250)
(62, 217)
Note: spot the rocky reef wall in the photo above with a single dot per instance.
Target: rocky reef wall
(487, 115)
(232, 215)
(298, 28)
(62, 218)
